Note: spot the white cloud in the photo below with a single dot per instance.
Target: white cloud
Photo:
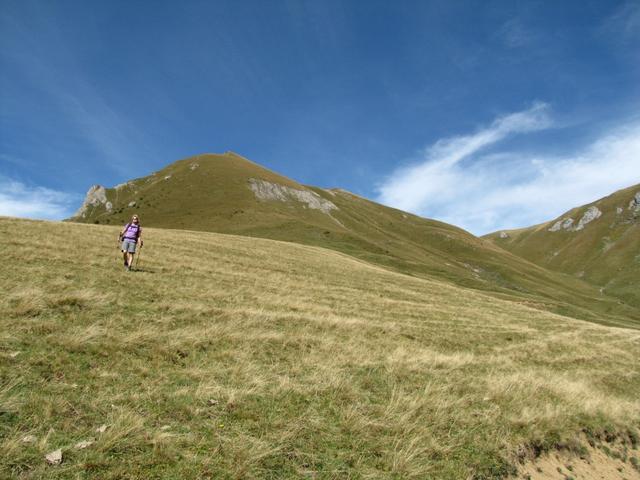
(413, 187)
(483, 193)
(20, 200)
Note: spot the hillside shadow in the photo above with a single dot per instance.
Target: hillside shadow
(142, 270)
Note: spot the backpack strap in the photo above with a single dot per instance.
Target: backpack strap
(126, 227)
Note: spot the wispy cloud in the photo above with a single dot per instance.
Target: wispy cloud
(456, 183)
(51, 66)
(514, 34)
(413, 187)
(20, 200)
(624, 23)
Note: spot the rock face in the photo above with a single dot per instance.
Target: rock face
(564, 224)
(266, 191)
(504, 235)
(96, 196)
(634, 204)
(567, 224)
(590, 215)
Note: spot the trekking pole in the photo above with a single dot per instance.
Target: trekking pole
(117, 249)
(138, 257)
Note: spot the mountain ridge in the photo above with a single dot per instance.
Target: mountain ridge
(227, 193)
(598, 242)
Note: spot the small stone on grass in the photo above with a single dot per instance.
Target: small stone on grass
(101, 429)
(29, 439)
(84, 444)
(55, 457)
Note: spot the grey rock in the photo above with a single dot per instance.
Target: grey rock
(266, 191)
(589, 216)
(97, 195)
(504, 235)
(132, 204)
(564, 224)
(84, 444)
(556, 226)
(55, 457)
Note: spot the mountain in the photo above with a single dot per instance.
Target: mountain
(229, 194)
(598, 242)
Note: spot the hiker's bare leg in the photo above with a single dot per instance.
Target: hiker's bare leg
(129, 259)
(124, 256)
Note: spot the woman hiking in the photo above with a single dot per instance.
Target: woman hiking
(130, 236)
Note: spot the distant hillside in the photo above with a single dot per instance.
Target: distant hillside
(230, 194)
(598, 242)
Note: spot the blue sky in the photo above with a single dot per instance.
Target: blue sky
(485, 114)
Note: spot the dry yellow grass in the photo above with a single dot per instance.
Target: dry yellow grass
(234, 357)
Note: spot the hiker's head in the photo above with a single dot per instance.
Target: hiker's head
(135, 219)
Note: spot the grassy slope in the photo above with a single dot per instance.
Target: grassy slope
(606, 252)
(237, 357)
(215, 197)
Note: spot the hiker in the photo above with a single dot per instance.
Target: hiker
(130, 236)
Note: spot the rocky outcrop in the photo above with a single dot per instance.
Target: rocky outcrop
(590, 215)
(567, 224)
(96, 196)
(634, 204)
(504, 235)
(564, 224)
(266, 191)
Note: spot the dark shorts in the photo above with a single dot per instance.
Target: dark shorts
(129, 246)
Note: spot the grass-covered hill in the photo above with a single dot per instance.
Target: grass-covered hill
(229, 194)
(234, 357)
(604, 249)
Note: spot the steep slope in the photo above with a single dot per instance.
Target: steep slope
(229, 194)
(239, 357)
(598, 242)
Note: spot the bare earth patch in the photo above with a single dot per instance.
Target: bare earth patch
(594, 464)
